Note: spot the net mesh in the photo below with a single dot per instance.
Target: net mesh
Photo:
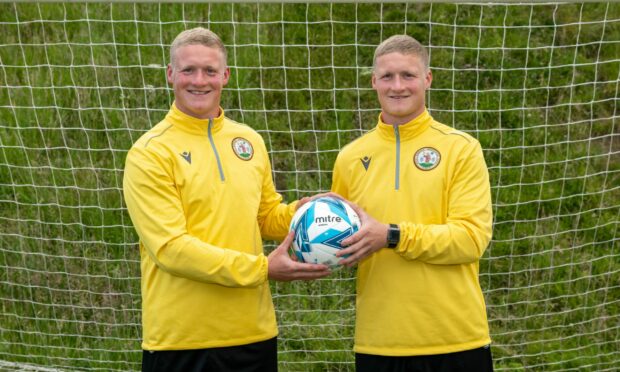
(537, 84)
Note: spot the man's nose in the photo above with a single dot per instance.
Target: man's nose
(397, 83)
(200, 78)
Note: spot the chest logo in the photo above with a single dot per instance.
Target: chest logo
(426, 158)
(365, 162)
(242, 148)
(187, 155)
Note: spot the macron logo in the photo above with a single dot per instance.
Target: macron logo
(187, 156)
(366, 162)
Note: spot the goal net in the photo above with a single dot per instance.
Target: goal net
(537, 84)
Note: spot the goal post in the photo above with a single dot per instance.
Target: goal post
(537, 84)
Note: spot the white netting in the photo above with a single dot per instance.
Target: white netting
(537, 84)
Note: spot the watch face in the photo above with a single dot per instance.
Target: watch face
(393, 236)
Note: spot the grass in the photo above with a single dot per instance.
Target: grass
(81, 82)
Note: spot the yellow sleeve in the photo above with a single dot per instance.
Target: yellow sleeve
(467, 231)
(274, 216)
(157, 215)
(338, 185)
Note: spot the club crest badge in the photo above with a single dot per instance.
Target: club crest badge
(242, 148)
(426, 158)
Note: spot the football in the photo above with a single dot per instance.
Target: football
(320, 226)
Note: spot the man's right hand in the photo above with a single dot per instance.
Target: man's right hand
(371, 237)
(283, 268)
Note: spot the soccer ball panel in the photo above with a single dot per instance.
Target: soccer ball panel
(298, 215)
(322, 255)
(354, 219)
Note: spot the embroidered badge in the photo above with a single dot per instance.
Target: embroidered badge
(366, 162)
(426, 158)
(187, 155)
(242, 148)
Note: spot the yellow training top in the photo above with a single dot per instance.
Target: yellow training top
(423, 297)
(200, 195)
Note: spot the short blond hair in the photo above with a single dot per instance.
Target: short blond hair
(403, 44)
(200, 36)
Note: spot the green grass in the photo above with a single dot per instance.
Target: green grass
(81, 82)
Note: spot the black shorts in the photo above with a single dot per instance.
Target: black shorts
(479, 360)
(256, 357)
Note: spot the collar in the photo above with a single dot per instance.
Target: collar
(194, 125)
(408, 130)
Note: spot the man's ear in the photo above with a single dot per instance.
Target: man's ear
(226, 75)
(169, 73)
(428, 79)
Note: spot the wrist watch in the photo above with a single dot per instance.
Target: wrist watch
(393, 235)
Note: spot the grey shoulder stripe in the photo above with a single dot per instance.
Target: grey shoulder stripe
(453, 133)
(157, 135)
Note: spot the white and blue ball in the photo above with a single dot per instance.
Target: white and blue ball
(320, 226)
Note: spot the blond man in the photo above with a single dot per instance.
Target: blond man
(199, 191)
(422, 191)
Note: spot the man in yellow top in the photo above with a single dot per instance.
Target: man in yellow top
(199, 191)
(422, 191)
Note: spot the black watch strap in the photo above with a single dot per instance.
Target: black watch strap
(393, 236)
